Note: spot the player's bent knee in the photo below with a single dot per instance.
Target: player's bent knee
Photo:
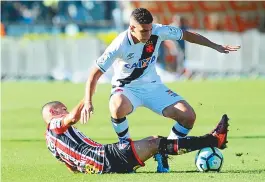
(188, 118)
(119, 106)
(191, 117)
(184, 114)
(119, 111)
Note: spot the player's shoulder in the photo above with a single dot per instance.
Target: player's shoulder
(161, 27)
(55, 123)
(157, 28)
(120, 41)
(162, 30)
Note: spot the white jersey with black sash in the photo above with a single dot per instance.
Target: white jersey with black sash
(134, 64)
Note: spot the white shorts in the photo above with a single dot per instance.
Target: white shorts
(153, 96)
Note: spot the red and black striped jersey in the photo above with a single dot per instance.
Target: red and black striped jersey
(73, 148)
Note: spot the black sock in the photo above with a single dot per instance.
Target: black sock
(168, 146)
(190, 144)
(184, 145)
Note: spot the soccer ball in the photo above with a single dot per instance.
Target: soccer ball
(209, 159)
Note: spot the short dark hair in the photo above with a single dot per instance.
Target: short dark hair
(52, 103)
(142, 16)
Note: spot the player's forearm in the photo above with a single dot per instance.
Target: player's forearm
(198, 39)
(90, 89)
(91, 84)
(76, 111)
(74, 116)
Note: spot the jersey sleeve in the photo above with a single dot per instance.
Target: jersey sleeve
(112, 52)
(167, 32)
(57, 126)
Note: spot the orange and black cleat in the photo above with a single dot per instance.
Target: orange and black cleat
(221, 131)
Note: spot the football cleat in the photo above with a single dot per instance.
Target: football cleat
(162, 163)
(221, 131)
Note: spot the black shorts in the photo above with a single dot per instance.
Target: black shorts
(121, 160)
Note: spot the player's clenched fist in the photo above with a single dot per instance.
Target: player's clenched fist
(86, 112)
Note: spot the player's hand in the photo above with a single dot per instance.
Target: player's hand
(86, 112)
(226, 48)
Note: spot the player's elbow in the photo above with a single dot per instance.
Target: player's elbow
(96, 73)
(75, 118)
(71, 119)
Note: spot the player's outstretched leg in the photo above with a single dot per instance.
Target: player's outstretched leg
(217, 138)
(163, 145)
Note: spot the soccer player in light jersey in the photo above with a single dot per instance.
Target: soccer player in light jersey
(136, 83)
(81, 154)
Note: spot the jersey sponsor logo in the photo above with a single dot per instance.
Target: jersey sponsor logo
(68, 157)
(141, 63)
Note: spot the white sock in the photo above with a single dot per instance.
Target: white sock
(121, 127)
(178, 131)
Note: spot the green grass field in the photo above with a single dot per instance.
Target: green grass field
(25, 157)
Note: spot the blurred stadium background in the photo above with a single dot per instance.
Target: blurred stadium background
(61, 39)
(46, 41)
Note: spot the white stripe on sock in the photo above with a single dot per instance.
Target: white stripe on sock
(180, 129)
(120, 127)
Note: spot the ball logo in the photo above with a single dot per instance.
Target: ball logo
(215, 162)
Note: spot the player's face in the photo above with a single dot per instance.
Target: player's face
(60, 109)
(142, 31)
